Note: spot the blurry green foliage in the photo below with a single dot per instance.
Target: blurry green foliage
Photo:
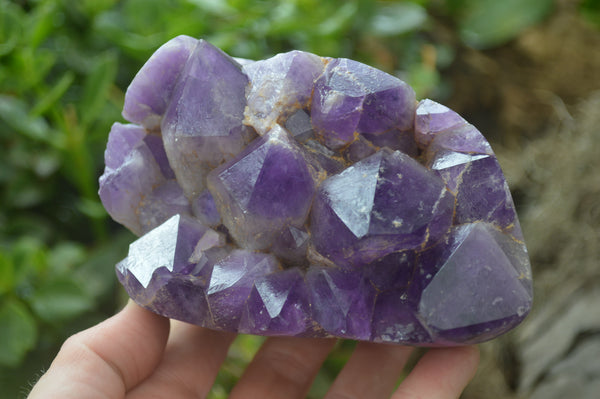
(488, 23)
(591, 10)
(64, 66)
(19, 332)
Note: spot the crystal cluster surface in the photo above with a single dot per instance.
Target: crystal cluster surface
(310, 196)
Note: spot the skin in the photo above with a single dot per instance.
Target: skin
(138, 354)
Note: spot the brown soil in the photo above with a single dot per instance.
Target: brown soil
(521, 89)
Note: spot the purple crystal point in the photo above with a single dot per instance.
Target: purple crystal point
(342, 302)
(352, 98)
(432, 118)
(122, 139)
(137, 187)
(171, 265)
(150, 91)
(268, 187)
(231, 283)
(440, 130)
(395, 316)
(277, 305)
(476, 263)
(312, 197)
(168, 246)
(202, 126)
(491, 201)
(481, 190)
(384, 203)
(279, 86)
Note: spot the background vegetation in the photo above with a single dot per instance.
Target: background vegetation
(64, 67)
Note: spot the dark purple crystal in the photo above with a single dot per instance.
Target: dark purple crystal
(266, 188)
(351, 98)
(313, 197)
(384, 203)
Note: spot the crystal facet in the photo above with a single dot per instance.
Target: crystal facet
(268, 187)
(310, 196)
(195, 139)
(351, 98)
(384, 203)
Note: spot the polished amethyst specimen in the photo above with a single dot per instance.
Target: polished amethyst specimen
(310, 196)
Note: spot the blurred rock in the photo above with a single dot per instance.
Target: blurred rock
(550, 346)
(577, 376)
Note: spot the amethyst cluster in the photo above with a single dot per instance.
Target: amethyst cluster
(310, 196)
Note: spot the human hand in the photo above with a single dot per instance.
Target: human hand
(138, 354)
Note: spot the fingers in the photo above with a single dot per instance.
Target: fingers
(120, 354)
(440, 374)
(371, 372)
(284, 367)
(190, 364)
(108, 359)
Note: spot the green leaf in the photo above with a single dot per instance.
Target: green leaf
(93, 7)
(109, 24)
(423, 79)
(216, 7)
(397, 18)
(590, 9)
(29, 257)
(341, 19)
(60, 299)
(65, 256)
(45, 163)
(41, 22)
(7, 273)
(14, 112)
(24, 193)
(92, 208)
(489, 23)
(97, 84)
(17, 332)
(49, 98)
(32, 66)
(98, 273)
(10, 27)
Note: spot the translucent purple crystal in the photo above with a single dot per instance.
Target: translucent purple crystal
(195, 140)
(313, 197)
(138, 187)
(277, 305)
(351, 98)
(385, 203)
(279, 86)
(267, 187)
(152, 89)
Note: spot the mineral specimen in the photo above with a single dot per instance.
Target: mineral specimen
(310, 196)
